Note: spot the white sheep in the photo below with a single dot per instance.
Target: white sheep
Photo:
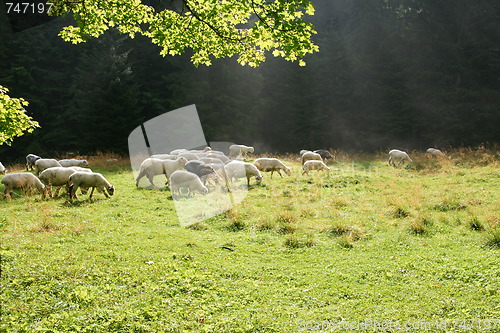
(313, 165)
(303, 151)
(73, 162)
(87, 180)
(181, 179)
(237, 151)
(2, 169)
(151, 167)
(239, 169)
(45, 163)
(30, 161)
(22, 180)
(58, 176)
(435, 152)
(399, 157)
(271, 165)
(310, 156)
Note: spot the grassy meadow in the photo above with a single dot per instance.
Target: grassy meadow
(365, 247)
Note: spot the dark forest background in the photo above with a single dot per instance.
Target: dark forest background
(405, 74)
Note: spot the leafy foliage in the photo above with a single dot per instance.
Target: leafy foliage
(14, 121)
(211, 29)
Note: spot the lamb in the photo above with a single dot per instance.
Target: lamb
(22, 180)
(310, 156)
(87, 180)
(200, 169)
(271, 164)
(181, 179)
(435, 152)
(238, 169)
(399, 157)
(73, 162)
(325, 154)
(237, 151)
(58, 176)
(45, 163)
(2, 169)
(151, 167)
(314, 165)
(30, 161)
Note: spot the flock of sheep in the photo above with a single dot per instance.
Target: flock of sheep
(186, 171)
(70, 173)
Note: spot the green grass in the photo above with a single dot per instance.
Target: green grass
(366, 241)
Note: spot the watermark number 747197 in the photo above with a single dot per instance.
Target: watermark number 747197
(28, 8)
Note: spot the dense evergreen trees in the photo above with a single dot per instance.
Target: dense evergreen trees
(393, 73)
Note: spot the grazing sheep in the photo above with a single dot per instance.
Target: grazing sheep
(399, 157)
(2, 169)
(30, 161)
(199, 168)
(314, 165)
(181, 179)
(22, 180)
(87, 180)
(73, 162)
(325, 154)
(271, 165)
(45, 163)
(238, 169)
(310, 156)
(58, 176)
(435, 152)
(151, 167)
(237, 151)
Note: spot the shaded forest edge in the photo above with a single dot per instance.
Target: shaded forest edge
(387, 76)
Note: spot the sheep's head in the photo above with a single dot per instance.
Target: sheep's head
(258, 179)
(85, 163)
(288, 171)
(111, 190)
(182, 160)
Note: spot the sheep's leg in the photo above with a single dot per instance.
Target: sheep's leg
(150, 178)
(72, 192)
(91, 192)
(141, 174)
(279, 173)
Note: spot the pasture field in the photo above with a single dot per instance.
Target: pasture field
(367, 247)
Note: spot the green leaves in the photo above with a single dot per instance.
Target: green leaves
(14, 121)
(212, 29)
